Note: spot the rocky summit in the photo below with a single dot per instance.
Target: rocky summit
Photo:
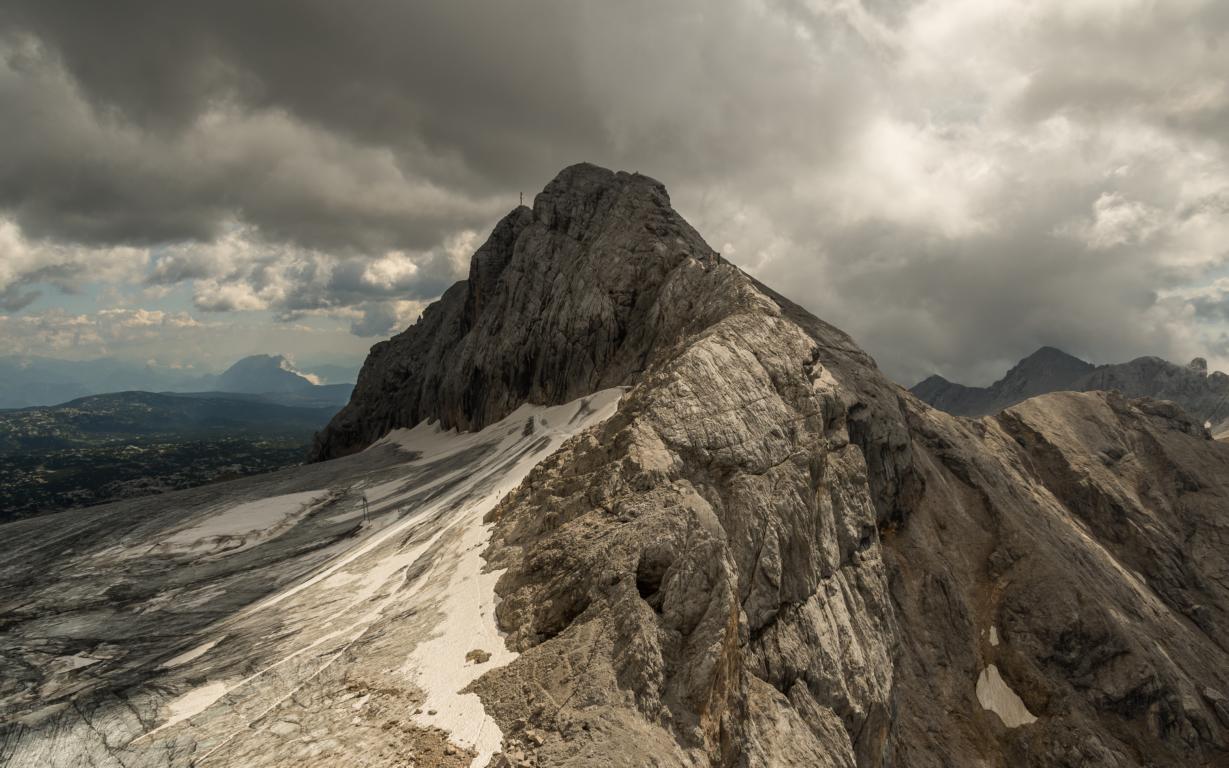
(613, 502)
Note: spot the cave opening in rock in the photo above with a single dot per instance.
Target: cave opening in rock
(650, 573)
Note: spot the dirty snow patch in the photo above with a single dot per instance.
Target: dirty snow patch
(187, 656)
(191, 704)
(243, 524)
(995, 695)
(427, 562)
(76, 661)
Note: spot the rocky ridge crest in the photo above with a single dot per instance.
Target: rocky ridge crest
(771, 555)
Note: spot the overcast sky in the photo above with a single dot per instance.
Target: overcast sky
(954, 182)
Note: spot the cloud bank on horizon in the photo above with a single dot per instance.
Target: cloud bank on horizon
(954, 182)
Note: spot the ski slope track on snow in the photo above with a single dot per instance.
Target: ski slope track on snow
(329, 614)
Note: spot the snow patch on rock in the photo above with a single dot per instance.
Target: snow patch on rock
(191, 655)
(458, 585)
(996, 696)
(192, 703)
(245, 524)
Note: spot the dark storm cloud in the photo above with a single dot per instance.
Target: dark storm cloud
(388, 72)
(379, 319)
(195, 111)
(955, 182)
(1215, 309)
(86, 172)
(14, 299)
(461, 94)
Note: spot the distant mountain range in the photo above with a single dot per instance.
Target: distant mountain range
(125, 444)
(128, 416)
(37, 381)
(59, 449)
(275, 379)
(1202, 395)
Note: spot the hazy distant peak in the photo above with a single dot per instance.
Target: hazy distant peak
(1051, 355)
(1053, 370)
(265, 373)
(933, 379)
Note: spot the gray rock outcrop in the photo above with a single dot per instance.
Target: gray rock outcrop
(562, 300)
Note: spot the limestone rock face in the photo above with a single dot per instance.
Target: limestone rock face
(772, 556)
(708, 564)
(1076, 542)
(562, 300)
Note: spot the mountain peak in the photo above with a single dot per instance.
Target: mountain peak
(585, 179)
(1048, 352)
(1047, 370)
(562, 299)
(264, 373)
(747, 428)
(1048, 356)
(584, 193)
